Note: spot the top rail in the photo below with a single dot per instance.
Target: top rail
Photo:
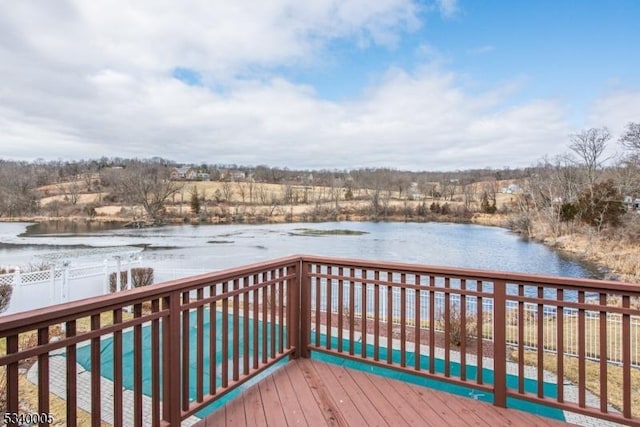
(590, 285)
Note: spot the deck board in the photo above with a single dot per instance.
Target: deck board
(273, 406)
(316, 411)
(235, 414)
(347, 397)
(411, 403)
(253, 408)
(286, 393)
(378, 398)
(409, 415)
(310, 392)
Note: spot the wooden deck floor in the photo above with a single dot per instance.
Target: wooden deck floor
(307, 392)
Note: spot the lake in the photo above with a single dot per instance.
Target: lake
(213, 247)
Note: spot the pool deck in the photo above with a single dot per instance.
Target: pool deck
(313, 393)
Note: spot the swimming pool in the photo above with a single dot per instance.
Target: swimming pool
(107, 363)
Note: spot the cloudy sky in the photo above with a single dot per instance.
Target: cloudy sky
(419, 85)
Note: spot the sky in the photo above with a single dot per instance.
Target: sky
(315, 84)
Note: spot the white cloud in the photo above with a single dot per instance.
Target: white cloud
(87, 79)
(448, 8)
(615, 110)
(421, 121)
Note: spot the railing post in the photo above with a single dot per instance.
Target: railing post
(499, 343)
(304, 310)
(293, 311)
(171, 368)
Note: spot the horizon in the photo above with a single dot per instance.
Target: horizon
(431, 86)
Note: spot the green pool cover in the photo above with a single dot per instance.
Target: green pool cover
(107, 355)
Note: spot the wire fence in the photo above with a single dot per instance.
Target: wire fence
(530, 319)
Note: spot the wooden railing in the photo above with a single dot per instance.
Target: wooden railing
(249, 315)
(173, 349)
(474, 328)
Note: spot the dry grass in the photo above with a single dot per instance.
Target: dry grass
(617, 254)
(570, 332)
(592, 370)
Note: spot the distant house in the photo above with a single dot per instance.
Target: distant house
(511, 189)
(413, 192)
(178, 174)
(198, 175)
(632, 204)
(238, 176)
(188, 173)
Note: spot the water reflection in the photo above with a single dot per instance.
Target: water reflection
(69, 227)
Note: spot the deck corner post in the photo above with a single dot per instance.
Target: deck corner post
(304, 307)
(171, 409)
(293, 311)
(499, 343)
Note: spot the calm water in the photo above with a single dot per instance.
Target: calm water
(220, 246)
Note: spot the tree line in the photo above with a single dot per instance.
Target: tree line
(581, 187)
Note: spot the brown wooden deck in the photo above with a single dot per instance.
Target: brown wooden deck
(312, 393)
(248, 309)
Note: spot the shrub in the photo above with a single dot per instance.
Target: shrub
(455, 325)
(421, 210)
(486, 205)
(568, 212)
(602, 205)
(141, 276)
(90, 211)
(5, 296)
(39, 266)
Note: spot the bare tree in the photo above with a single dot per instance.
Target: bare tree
(71, 190)
(148, 184)
(287, 194)
(469, 192)
(242, 190)
(626, 176)
(448, 187)
(631, 137)
(545, 190)
(589, 145)
(251, 186)
(17, 189)
(227, 191)
(335, 192)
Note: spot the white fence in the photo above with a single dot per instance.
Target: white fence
(66, 283)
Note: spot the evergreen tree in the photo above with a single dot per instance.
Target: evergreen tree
(195, 201)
